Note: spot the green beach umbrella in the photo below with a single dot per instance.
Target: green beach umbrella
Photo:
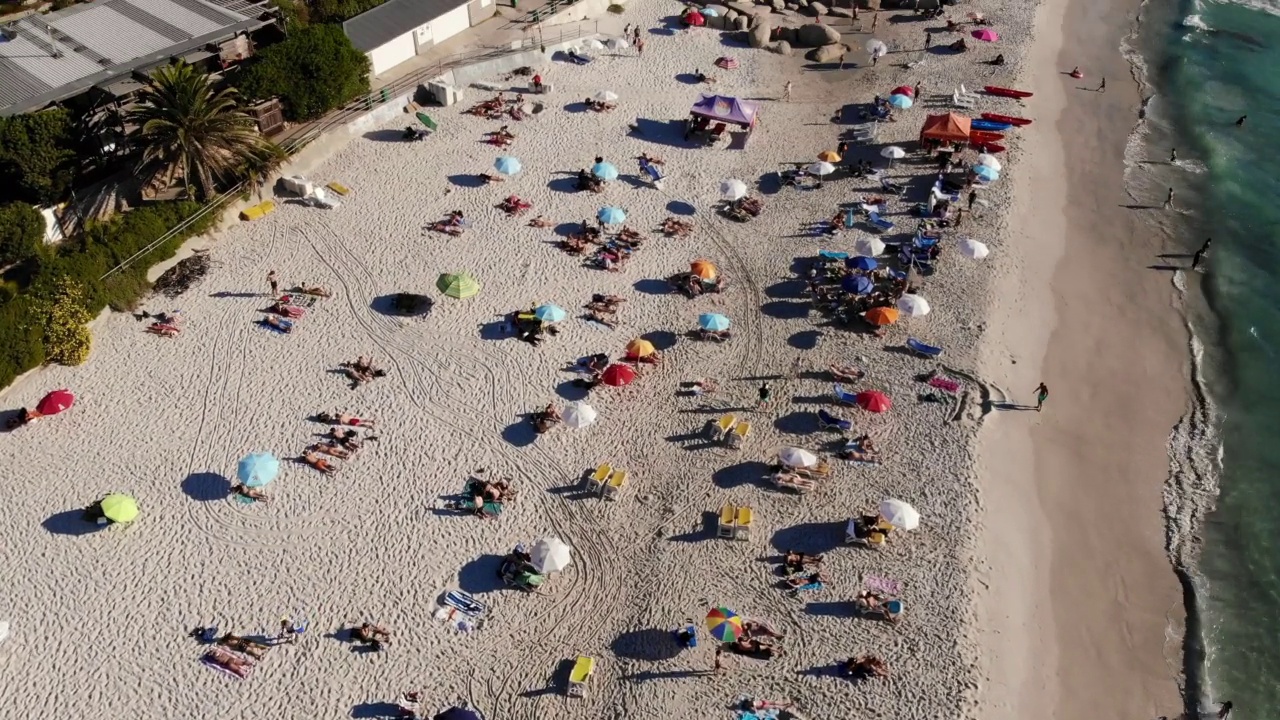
(119, 508)
(458, 285)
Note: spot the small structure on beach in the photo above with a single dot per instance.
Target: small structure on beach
(946, 128)
(722, 110)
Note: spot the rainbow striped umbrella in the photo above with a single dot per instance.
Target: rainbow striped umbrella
(725, 625)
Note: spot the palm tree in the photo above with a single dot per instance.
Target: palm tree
(189, 130)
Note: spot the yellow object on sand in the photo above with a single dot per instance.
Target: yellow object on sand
(726, 423)
(742, 429)
(640, 348)
(743, 530)
(338, 187)
(583, 668)
(728, 514)
(259, 211)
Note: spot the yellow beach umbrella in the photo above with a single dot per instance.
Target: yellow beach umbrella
(458, 285)
(830, 156)
(119, 508)
(640, 347)
(704, 269)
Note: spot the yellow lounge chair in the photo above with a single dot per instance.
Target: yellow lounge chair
(257, 212)
(728, 515)
(338, 187)
(582, 670)
(743, 529)
(739, 434)
(616, 482)
(725, 423)
(597, 479)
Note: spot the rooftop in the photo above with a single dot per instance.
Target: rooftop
(394, 18)
(46, 58)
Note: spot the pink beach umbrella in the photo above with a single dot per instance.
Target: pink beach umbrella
(986, 35)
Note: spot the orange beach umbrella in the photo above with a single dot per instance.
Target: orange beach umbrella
(830, 156)
(882, 315)
(704, 269)
(639, 348)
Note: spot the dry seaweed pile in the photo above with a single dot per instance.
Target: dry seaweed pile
(179, 278)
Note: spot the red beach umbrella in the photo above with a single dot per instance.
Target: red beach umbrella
(874, 401)
(904, 90)
(55, 402)
(617, 375)
(695, 19)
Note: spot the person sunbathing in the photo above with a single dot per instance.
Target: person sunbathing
(864, 667)
(869, 530)
(541, 222)
(245, 491)
(846, 373)
(874, 603)
(813, 578)
(717, 335)
(229, 661)
(547, 419)
(376, 636)
(653, 358)
(317, 290)
(702, 387)
(486, 178)
(797, 561)
(703, 77)
(752, 646)
(344, 419)
(319, 463)
(646, 157)
(164, 330)
(574, 245)
(760, 629)
(611, 301)
(281, 324)
(248, 647)
(853, 455)
(444, 226)
(331, 450)
(289, 311)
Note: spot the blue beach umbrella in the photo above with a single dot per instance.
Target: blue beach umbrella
(605, 171)
(507, 165)
(902, 102)
(713, 321)
(862, 262)
(857, 284)
(257, 469)
(549, 313)
(988, 174)
(611, 215)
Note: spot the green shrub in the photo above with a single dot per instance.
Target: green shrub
(315, 70)
(8, 291)
(21, 338)
(335, 11)
(66, 337)
(37, 157)
(21, 232)
(617, 9)
(296, 14)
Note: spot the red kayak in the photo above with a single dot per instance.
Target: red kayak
(989, 148)
(977, 137)
(1006, 92)
(1011, 119)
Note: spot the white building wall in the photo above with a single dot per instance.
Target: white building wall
(385, 57)
(450, 24)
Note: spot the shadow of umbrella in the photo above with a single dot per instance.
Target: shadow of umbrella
(650, 644)
(70, 522)
(812, 538)
(481, 575)
(206, 486)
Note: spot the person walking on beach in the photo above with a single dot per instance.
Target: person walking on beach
(639, 46)
(1042, 394)
(1168, 201)
(1102, 86)
(274, 282)
(764, 392)
(1200, 254)
(786, 92)
(1173, 156)
(916, 90)
(928, 39)
(841, 61)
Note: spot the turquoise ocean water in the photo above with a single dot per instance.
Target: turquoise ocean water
(1208, 63)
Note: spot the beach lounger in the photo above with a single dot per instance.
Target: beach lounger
(742, 530)
(616, 482)
(721, 427)
(923, 350)
(827, 421)
(583, 668)
(597, 479)
(879, 223)
(739, 434)
(964, 102)
(894, 189)
(967, 92)
(728, 515)
(843, 395)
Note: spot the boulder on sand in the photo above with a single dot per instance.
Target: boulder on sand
(817, 8)
(759, 34)
(781, 47)
(743, 7)
(742, 22)
(717, 9)
(840, 12)
(786, 34)
(816, 35)
(778, 5)
(827, 53)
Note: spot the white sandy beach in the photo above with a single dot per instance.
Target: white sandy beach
(100, 618)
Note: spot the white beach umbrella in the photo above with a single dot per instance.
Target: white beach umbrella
(618, 43)
(899, 514)
(550, 555)
(4, 630)
(913, 305)
(990, 161)
(868, 247)
(877, 48)
(579, 415)
(733, 189)
(797, 457)
(973, 249)
(594, 44)
(606, 96)
(821, 168)
(893, 152)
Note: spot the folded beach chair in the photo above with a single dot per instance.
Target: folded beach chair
(616, 482)
(597, 479)
(742, 529)
(922, 349)
(827, 421)
(843, 395)
(965, 102)
(965, 92)
(879, 223)
(728, 515)
(583, 668)
(895, 189)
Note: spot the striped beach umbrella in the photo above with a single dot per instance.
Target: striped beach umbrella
(724, 624)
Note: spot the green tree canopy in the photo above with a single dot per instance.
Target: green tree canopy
(21, 232)
(37, 157)
(335, 11)
(315, 70)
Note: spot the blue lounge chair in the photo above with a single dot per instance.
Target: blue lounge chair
(878, 222)
(844, 396)
(922, 349)
(827, 421)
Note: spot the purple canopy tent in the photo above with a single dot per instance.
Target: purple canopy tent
(722, 108)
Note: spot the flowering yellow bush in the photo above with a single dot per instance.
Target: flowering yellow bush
(66, 338)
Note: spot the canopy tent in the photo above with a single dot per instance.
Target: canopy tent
(951, 126)
(722, 108)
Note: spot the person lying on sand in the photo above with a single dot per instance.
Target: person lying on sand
(331, 450)
(864, 667)
(319, 463)
(797, 561)
(235, 664)
(548, 418)
(290, 311)
(245, 491)
(375, 635)
(486, 178)
(597, 317)
(754, 647)
(875, 603)
(757, 628)
(605, 303)
(703, 387)
(344, 419)
(646, 157)
(248, 647)
(797, 581)
(317, 290)
(751, 704)
(542, 221)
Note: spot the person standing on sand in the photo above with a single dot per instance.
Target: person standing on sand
(874, 19)
(916, 91)
(1173, 155)
(1042, 394)
(274, 282)
(928, 39)
(1168, 201)
(764, 392)
(842, 61)
(786, 92)
(973, 198)
(719, 666)
(639, 46)
(1102, 86)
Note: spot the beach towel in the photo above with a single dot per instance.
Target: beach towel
(463, 602)
(944, 383)
(879, 583)
(213, 659)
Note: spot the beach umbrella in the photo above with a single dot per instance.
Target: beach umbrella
(606, 96)
(618, 375)
(876, 48)
(797, 457)
(713, 321)
(899, 514)
(507, 165)
(119, 508)
(733, 189)
(724, 624)
(549, 313)
(873, 401)
(913, 305)
(694, 18)
(639, 348)
(986, 173)
(821, 168)
(704, 269)
(594, 44)
(881, 316)
(868, 247)
(861, 262)
(578, 415)
(4, 630)
(604, 171)
(990, 161)
(617, 43)
(986, 35)
(458, 285)
(257, 469)
(973, 249)
(830, 156)
(893, 152)
(857, 284)
(904, 90)
(55, 402)
(457, 713)
(611, 215)
(550, 555)
(902, 102)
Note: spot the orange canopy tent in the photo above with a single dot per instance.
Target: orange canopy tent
(950, 127)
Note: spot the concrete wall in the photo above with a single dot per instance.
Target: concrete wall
(583, 10)
(487, 69)
(479, 11)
